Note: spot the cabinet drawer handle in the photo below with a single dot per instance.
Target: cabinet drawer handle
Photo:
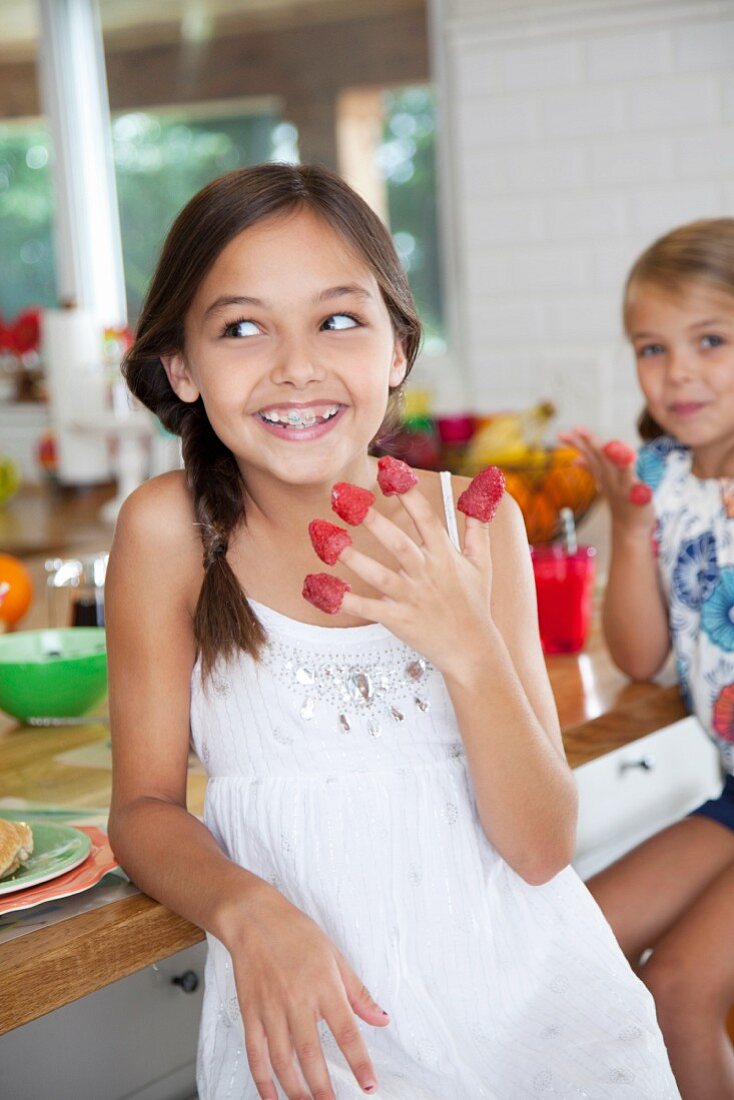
(645, 763)
(188, 981)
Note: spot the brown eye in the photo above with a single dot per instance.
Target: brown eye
(339, 321)
(241, 328)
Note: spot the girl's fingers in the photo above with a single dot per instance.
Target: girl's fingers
(283, 1059)
(403, 548)
(432, 532)
(365, 607)
(377, 576)
(310, 1055)
(256, 1048)
(477, 542)
(359, 996)
(343, 1026)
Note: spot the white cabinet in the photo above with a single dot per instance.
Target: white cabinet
(134, 1039)
(627, 795)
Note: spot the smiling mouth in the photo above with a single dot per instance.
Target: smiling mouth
(299, 418)
(687, 408)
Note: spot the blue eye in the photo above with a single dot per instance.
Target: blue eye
(339, 321)
(649, 350)
(711, 341)
(241, 328)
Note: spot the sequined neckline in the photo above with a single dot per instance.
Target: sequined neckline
(330, 634)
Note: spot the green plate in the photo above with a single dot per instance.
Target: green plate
(56, 849)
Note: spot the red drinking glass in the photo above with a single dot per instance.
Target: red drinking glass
(564, 583)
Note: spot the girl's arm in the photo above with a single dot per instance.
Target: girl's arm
(288, 974)
(525, 791)
(635, 615)
(490, 656)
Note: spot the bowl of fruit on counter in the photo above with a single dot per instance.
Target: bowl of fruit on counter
(542, 478)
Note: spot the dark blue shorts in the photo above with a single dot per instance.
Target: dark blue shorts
(720, 809)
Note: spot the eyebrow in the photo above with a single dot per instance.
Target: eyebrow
(332, 292)
(712, 321)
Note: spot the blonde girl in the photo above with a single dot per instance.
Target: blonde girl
(671, 584)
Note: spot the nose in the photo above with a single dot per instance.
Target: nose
(296, 364)
(681, 366)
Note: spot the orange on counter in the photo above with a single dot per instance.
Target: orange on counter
(552, 481)
(16, 589)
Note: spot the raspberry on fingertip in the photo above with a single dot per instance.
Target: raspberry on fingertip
(350, 502)
(394, 476)
(640, 494)
(619, 454)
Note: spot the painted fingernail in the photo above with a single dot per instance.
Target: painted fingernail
(370, 1088)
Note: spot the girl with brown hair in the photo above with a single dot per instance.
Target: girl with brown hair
(670, 900)
(388, 807)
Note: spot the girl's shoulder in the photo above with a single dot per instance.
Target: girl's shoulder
(507, 527)
(159, 518)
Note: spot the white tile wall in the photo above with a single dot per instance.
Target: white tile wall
(575, 131)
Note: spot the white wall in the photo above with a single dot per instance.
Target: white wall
(574, 132)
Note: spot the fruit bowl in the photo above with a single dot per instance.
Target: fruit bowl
(544, 481)
(55, 673)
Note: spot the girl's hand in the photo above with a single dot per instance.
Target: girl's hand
(289, 976)
(614, 481)
(436, 600)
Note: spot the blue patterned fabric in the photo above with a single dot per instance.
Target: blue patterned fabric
(694, 535)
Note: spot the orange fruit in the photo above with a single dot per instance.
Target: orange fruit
(16, 589)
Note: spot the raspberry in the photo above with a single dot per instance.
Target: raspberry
(640, 493)
(324, 591)
(328, 540)
(619, 454)
(350, 502)
(394, 476)
(483, 495)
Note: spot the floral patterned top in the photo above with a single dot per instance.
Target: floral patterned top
(694, 540)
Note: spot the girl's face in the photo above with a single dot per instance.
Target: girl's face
(290, 346)
(684, 347)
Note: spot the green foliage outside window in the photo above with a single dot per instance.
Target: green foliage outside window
(161, 159)
(407, 160)
(160, 162)
(26, 214)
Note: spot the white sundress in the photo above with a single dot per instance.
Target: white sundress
(694, 539)
(337, 773)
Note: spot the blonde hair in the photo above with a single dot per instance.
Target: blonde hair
(700, 252)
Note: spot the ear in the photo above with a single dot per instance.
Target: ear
(180, 378)
(399, 364)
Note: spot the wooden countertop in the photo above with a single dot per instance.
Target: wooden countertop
(600, 711)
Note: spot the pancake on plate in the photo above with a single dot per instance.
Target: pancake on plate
(16, 846)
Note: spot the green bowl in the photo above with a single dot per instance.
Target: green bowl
(54, 673)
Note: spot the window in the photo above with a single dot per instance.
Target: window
(161, 159)
(26, 213)
(406, 157)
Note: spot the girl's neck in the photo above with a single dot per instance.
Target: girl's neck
(283, 508)
(713, 461)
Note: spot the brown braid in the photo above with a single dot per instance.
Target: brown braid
(224, 621)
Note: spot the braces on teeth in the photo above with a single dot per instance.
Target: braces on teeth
(299, 420)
